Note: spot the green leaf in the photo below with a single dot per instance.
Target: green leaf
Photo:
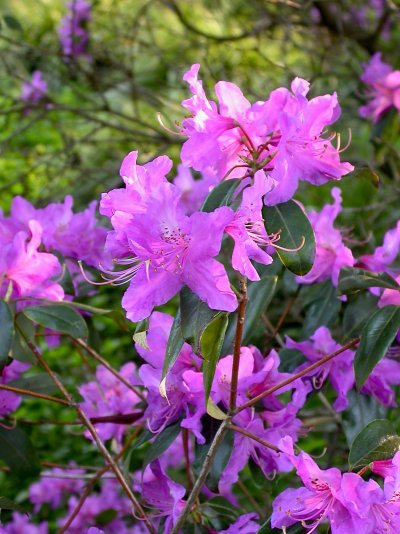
(20, 350)
(267, 529)
(221, 195)
(211, 342)
(17, 451)
(163, 440)
(106, 516)
(195, 316)
(362, 409)
(58, 317)
(86, 307)
(8, 504)
(290, 360)
(6, 331)
(259, 296)
(376, 337)
(289, 219)
(140, 335)
(220, 461)
(12, 23)
(323, 309)
(214, 411)
(39, 383)
(174, 345)
(358, 310)
(352, 279)
(377, 441)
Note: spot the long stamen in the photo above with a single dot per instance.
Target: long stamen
(173, 132)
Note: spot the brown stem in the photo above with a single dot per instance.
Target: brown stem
(305, 371)
(104, 362)
(254, 437)
(93, 481)
(219, 436)
(87, 423)
(42, 396)
(120, 419)
(185, 440)
(238, 343)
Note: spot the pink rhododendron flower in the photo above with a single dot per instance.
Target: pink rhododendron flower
(74, 37)
(162, 493)
(320, 499)
(384, 87)
(165, 249)
(245, 524)
(52, 490)
(248, 231)
(282, 136)
(193, 192)
(35, 90)
(383, 256)
(109, 396)
(21, 523)
(29, 272)
(183, 386)
(9, 401)
(339, 369)
(331, 253)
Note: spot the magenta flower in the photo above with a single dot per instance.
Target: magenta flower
(320, 499)
(383, 90)
(73, 34)
(339, 369)
(168, 250)
(184, 384)
(302, 152)
(52, 490)
(21, 523)
(193, 192)
(248, 231)
(245, 524)
(383, 256)
(74, 235)
(29, 271)
(331, 253)
(162, 493)
(9, 401)
(109, 396)
(35, 90)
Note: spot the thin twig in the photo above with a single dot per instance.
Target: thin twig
(87, 423)
(238, 343)
(254, 437)
(219, 436)
(305, 371)
(185, 441)
(104, 362)
(42, 396)
(93, 481)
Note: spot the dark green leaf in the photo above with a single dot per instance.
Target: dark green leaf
(210, 345)
(140, 335)
(8, 504)
(259, 296)
(221, 195)
(323, 310)
(267, 529)
(362, 409)
(163, 440)
(17, 451)
(40, 383)
(220, 461)
(377, 441)
(292, 222)
(376, 337)
(58, 317)
(12, 22)
(290, 360)
(20, 350)
(352, 279)
(195, 316)
(106, 516)
(174, 345)
(6, 331)
(224, 507)
(357, 312)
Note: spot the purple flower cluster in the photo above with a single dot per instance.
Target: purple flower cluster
(383, 88)
(161, 241)
(346, 500)
(34, 91)
(73, 34)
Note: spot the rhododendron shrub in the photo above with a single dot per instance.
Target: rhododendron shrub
(215, 351)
